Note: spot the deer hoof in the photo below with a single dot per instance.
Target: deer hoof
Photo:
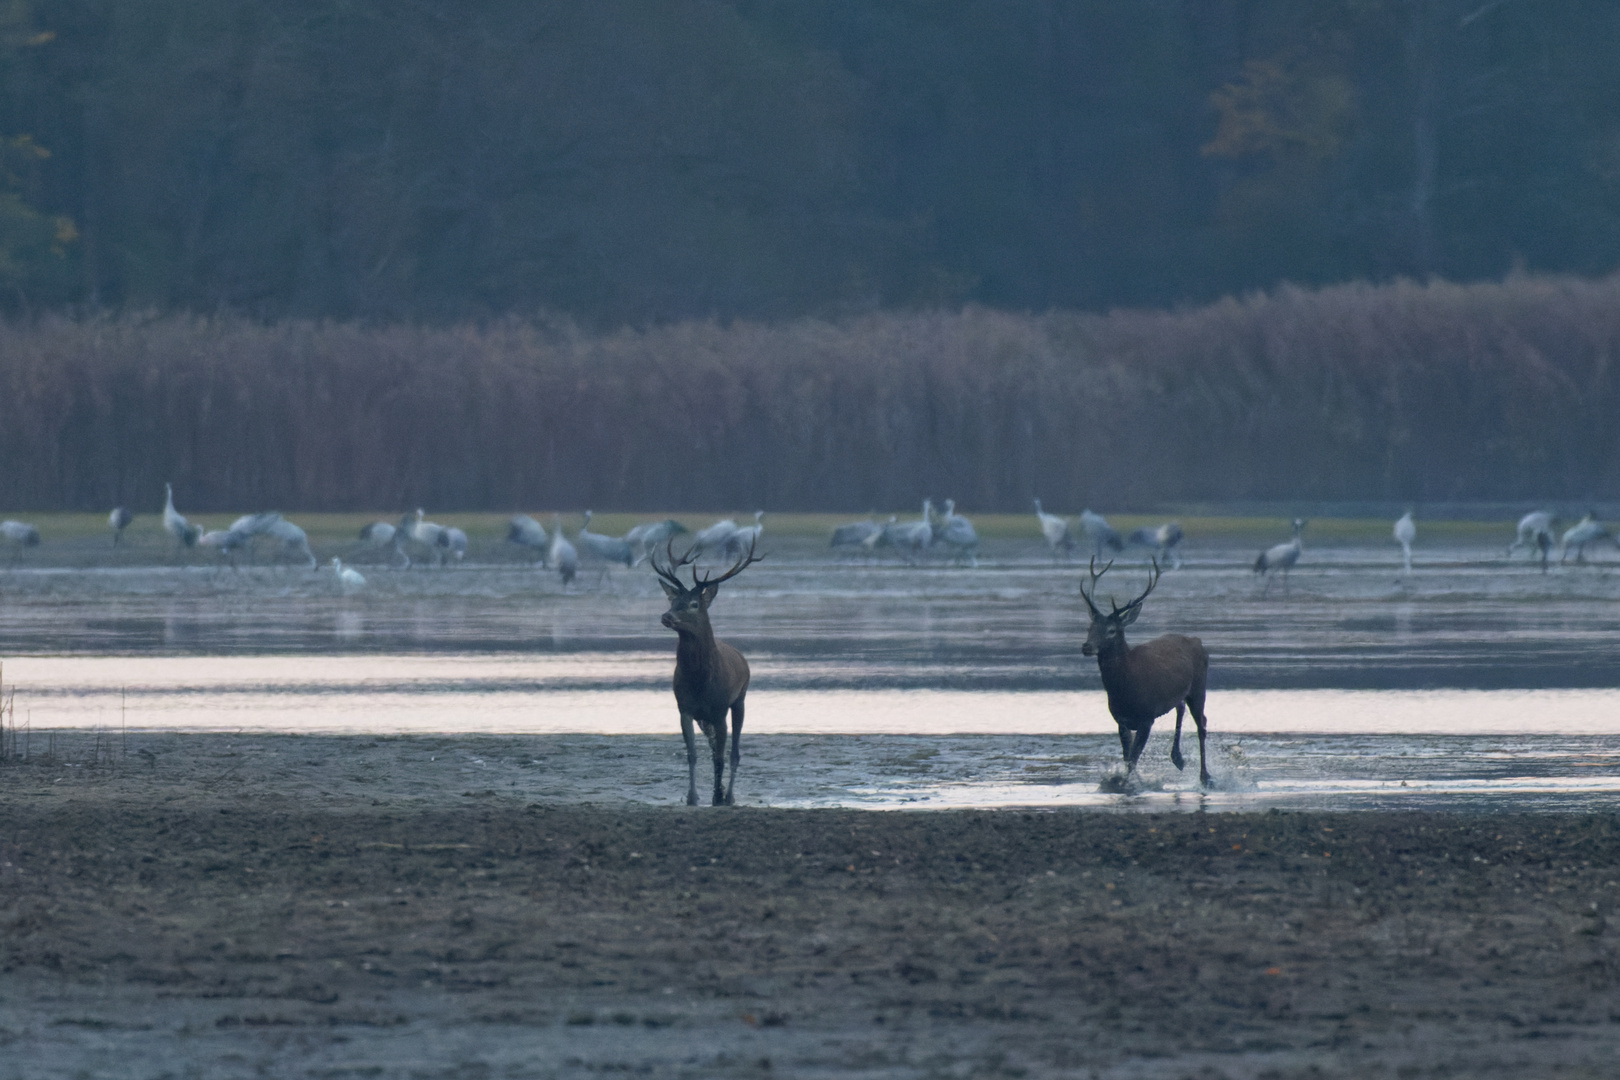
(1176, 759)
(691, 798)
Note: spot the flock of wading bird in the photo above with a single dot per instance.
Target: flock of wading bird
(1143, 682)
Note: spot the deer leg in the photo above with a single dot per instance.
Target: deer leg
(717, 742)
(1195, 702)
(1125, 743)
(1175, 748)
(1138, 744)
(691, 760)
(736, 747)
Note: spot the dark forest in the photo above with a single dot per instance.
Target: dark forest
(637, 161)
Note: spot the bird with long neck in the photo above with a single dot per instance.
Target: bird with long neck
(1405, 533)
(711, 677)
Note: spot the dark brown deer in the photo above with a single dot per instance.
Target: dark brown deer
(710, 676)
(1146, 681)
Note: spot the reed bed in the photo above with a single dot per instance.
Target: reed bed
(1406, 391)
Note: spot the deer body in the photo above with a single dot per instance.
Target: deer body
(711, 677)
(1146, 681)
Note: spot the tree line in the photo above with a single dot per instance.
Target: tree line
(631, 162)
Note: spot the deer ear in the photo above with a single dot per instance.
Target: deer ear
(709, 592)
(669, 590)
(1129, 615)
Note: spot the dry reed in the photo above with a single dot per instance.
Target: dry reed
(1402, 391)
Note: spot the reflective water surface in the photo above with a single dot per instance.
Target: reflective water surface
(1475, 682)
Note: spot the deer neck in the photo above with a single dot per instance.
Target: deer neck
(1111, 657)
(694, 648)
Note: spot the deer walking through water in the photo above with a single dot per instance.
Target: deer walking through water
(711, 677)
(1146, 681)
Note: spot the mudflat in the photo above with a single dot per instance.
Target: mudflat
(173, 917)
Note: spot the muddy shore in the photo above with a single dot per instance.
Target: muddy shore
(199, 920)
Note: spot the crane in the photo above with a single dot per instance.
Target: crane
(1164, 538)
(606, 548)
(957, 533)
(1099, 533)
(745, 538)
(562, 554)
(1405, 533)
(118, 521)
(1281, 557)
(1582, 533)
(185, 534)
(524, 531)
(1534, 534)
(644, 538)
(1056, 531)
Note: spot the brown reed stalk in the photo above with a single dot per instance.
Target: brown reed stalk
(1404, 391)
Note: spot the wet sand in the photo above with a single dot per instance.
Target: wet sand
(329, 909)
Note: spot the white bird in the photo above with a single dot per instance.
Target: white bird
(1535, 534)
(20, 533)
(349, 579)
(1055, 529)
(1405, 533)
(270, 524)
(118, 521)
(1582, 533)
(292, 538)
(746, 537)
(562, 555)
(601, 546)
(454, 541)
(1281, 556)
(1098, 533)
(423, 532)
(224, 541)
(382, 534)
(1165, 538)
(644, 539)
(185, 534)
(524, 531)
(715, 535)
(855, 534)
(913, 536)
(957, 533)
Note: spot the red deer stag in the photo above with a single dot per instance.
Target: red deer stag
(1146, 681)
(710, 676)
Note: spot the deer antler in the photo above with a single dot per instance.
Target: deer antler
(742, 564)
(1096, 576)
(675, 564)
(1153, 579)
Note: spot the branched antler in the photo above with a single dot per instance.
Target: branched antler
(1096, 576)
(690, 559)
(669, 575)
(742, 564)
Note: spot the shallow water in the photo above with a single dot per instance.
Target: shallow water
(1352, 685)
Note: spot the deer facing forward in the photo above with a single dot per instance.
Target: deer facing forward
(710, 676)
(1146, 681)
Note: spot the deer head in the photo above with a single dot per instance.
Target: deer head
(1108, 630)
(689, 607)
